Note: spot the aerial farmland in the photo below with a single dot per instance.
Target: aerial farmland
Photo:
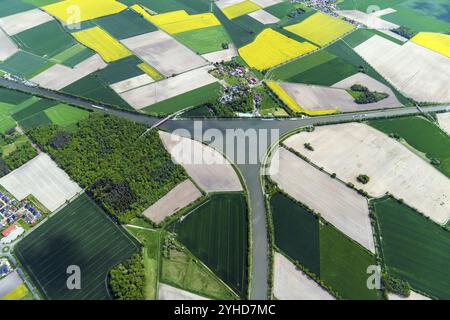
(224, 150)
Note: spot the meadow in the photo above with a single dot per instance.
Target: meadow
(80, 234)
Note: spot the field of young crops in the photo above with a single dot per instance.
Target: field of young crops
(81, 234)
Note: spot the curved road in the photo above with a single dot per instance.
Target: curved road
(250, 171)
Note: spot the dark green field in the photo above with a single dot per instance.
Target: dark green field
(120, 70)
(414, 248)
(12, 97)
(45, 40)
(80, 234)
(422, 135)
(125, 24)
(189, 99)
(216, 233)
(241, 30)
(36, 120)
(204, 40)
(296, 232)
(299, 66)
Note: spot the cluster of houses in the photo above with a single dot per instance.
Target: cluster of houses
(5, 267)
(11, 210)
(326, 6)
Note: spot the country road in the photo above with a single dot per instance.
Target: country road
(250, 171)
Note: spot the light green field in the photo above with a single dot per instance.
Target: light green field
(64, 115)
(204, 40)
(150, 240)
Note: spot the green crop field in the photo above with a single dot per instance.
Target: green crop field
(34, 121)
(363, 5)
(344, 263)
(204, 40)
(357, 37)
(80, 234)
(301, 65)
(64, 115)
(12, 97)
(422, 135)
(24, 64)
(241, 30)
(189, 99)
(327, 73)
(296, 232)
(33, 109)
(421, 15)
(180, 269)
(45, 40)
(91, 87)
(216, 233)
(125, 24)
(8, 8)
(414, 248)
(120, 70)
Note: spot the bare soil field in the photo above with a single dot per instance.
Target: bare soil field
(164, 53)
(444, 121)
(313, 97)
(158, 91)
(42, 178)
(372, 21)
(291, 283)
(264, 17)
(7, 46)
(179, 197)
(207, 167)
(132, 83)
(266, 3)
(222, 55)
(59, 76)
(341, 206)
(415, 71)
(167, 292)
(352, 149)
(372, 85)
(23, 21)
(412, 296)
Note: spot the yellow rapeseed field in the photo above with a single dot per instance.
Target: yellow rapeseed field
(74, 11)
(434, 41)
(16, 294)
(150, 71)
(292, 104)
(239, 9)
(320, 28)
(179, 21)
(101, 42)
(271, 48)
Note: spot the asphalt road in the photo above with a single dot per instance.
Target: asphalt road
(250, 171)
